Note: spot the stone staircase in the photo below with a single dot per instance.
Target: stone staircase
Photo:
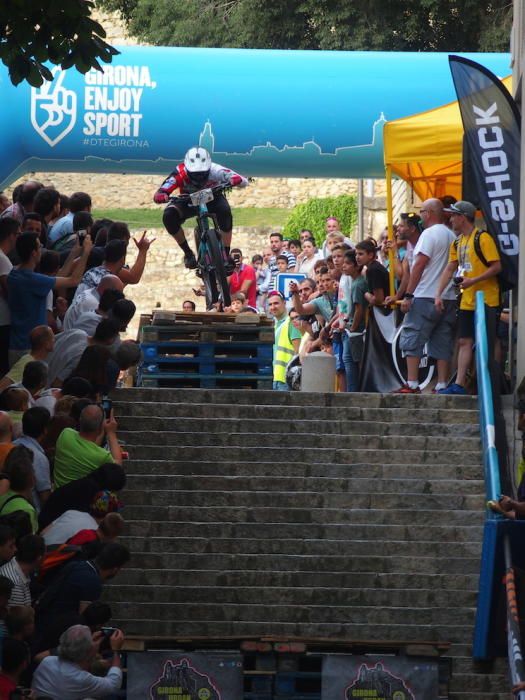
(256, 513)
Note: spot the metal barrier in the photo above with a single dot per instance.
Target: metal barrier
(498, 531)
(486, 407)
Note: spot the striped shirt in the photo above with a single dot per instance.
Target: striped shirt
(273, 266)
(20, 595)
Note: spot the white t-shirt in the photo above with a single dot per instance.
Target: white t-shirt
(69, 346)
(5, 268)
(67, 525)
(87, 301)
(435, 243)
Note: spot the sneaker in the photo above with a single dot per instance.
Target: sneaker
(456, 389)
(405, 389)
(190, 261)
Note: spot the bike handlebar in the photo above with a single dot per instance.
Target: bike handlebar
(186, 195)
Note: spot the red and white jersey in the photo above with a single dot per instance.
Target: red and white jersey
(179, 180)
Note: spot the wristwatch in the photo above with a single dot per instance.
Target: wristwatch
(407, 295)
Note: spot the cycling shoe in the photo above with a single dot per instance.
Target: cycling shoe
(190, 261)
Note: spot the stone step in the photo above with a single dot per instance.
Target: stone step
(321, 455)
(262, 398)
(304, 440)
(327, 516)
(477, 684)
(320, 547)
(345, 597)
(130, 617)
(438, 416)
(460, 472)
(443, 534)
(303, 499)
(296, 614)
(310, 426)
(133, 575)
(214, 482)
(365, 565)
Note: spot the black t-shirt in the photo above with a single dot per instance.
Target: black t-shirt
(78, 581)
(377, 278)
(75, 495)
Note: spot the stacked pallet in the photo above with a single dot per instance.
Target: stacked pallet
(209, 351)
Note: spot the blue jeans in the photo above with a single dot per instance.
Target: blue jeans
(351, 367)
(280, 386)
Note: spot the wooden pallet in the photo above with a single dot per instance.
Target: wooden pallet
(181, 351)
(199, 333)
(161, 317)
(298, 684)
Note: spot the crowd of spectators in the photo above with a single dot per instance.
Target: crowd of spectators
(63, 310)
(440, 260)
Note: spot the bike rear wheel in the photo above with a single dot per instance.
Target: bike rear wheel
(213, 275)
(215, 250)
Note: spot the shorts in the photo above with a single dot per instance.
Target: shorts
(337, 346)
(467, 322)
(425, 325)
(176, 214)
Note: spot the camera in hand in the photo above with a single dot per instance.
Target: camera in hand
(108, 631)
(82, 235)
(457, 280)
(107, 405)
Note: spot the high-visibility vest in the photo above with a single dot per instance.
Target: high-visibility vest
(283, 352)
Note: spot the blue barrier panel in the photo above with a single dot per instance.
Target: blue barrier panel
(488, 581)
(486, 407)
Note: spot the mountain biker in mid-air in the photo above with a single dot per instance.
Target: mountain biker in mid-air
(196, 173)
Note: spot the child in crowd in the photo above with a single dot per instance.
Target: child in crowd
(376, 274)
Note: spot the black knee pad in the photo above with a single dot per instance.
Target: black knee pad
(172, 220)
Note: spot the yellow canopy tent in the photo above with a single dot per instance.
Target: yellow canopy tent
(426, 150)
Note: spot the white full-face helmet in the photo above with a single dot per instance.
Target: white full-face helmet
(197, 163)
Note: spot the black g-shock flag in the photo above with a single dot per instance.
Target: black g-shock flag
(491, 123)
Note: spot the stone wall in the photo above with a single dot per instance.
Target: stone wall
(166, 280)
(133, 191)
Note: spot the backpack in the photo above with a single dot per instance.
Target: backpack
(57, 555)
(19, 520)
(503, 282)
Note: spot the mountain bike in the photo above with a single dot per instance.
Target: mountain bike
(211, 256)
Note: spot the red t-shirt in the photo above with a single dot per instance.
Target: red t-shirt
(247, 272)
(6, 687)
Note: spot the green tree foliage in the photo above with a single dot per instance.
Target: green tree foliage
(59, 31)
(314, 213)
(368, 25)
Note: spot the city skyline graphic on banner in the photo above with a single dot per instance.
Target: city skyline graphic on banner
(307, 156)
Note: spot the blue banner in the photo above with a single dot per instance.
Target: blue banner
(262, 113)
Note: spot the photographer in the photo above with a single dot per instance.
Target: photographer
(67, 674)
(243, 279)
(79, 453)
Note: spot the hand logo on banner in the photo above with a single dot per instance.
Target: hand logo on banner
(53, 109)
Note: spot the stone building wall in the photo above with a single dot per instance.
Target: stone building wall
(167, 282)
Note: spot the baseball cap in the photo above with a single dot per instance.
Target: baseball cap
(462, 207)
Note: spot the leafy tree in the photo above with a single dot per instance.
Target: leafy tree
(313, 214)
(388, 25)
(60, 31)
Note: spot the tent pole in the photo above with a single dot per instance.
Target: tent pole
(390, 222)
